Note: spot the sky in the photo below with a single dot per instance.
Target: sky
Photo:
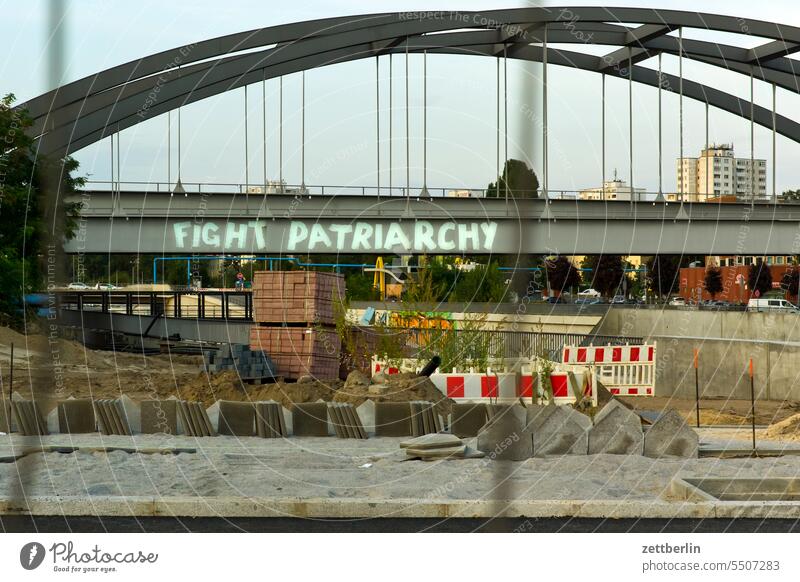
(341, 111)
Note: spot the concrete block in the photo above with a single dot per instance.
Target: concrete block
(467, 418)
(616, 431)
(505, 436)
(236, 418)
(355, 421)
(52, 421)
(670, 436)
(432, 441)
(76, 416)
(213, 413)
(159, 416)
(205, 423)
(288, 421)
(558, 430)
(103, 422)
(336, 422)
(366, 413)
(393, 419)
(5, 415)
(310, 419)
(130, 412)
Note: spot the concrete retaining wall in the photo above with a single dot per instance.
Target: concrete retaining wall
(726, 340)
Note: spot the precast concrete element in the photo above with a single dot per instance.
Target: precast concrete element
(393, 419)
(111, 417)
(424, 418)
(310, 419)
(366, 413)
(617, 431)
(467, 418)
(193, 419)
(159, 416)
(558, 430)
(27, 417)
(236, 418)
(5, 415)
(506, 436)
(270, 422)
(670, 436)
(130, 412)
(345, 421)
(76, 416)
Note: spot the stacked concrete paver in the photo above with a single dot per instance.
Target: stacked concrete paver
(294, 315)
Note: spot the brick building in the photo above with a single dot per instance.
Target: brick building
(734, 282)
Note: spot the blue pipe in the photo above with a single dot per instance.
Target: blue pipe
(251, 258)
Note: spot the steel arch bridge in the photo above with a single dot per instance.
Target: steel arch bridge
(85, 111)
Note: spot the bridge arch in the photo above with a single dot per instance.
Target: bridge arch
(90, 109)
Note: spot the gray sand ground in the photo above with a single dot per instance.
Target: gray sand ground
(348, 470)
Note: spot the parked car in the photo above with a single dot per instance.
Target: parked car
(771, 305)
(78, 286)
(105, 287)
(554, 299)
(589, 293)
(677, 301)
(618, 300)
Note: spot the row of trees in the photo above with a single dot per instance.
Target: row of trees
(759, 279)
(606, 274)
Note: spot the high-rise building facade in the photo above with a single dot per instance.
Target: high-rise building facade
(717, 172)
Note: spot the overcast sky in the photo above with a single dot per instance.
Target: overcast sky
(340, 107)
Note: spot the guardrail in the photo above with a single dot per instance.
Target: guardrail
(256, 188)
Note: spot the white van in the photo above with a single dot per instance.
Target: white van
(771, 305)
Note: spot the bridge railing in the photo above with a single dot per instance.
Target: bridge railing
(222, 304)
(256, 189)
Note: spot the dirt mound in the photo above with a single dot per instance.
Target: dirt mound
(228, 386)
(396, 388)
(786, 430)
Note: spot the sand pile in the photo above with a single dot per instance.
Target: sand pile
(786, 430)
(393, 388)
(208, 388)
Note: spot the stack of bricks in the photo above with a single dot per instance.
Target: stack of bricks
(294, 321)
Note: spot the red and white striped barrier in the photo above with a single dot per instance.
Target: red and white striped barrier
(463, 386)
(624, 370)
(563, 392)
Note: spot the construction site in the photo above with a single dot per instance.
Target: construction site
(331, 411)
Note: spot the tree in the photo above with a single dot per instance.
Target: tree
(759, 278)
(520, 179)
(713, 281)
(27, 221)
(606, 273)
(561, 274)
(484, 283)
(360, 288)
(663, 274)
(791, 195)
(422, 288)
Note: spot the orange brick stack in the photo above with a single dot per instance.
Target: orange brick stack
(297, 351)
(293, 311)
(295, 297)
